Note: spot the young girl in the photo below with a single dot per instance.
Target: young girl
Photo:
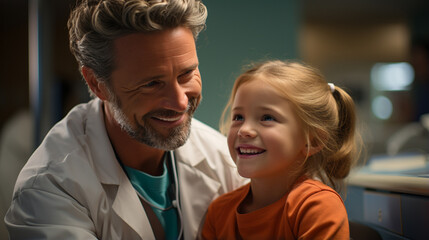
(292, 134)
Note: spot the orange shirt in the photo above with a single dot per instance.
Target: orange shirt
(311, 210)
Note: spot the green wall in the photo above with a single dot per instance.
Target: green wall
(239, 33)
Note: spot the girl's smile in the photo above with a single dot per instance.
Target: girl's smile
(249, 151)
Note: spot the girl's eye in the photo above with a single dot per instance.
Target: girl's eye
(237, 117)
(267, 118)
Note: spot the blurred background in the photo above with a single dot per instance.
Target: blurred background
(377, 50)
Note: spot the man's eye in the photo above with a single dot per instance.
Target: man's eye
(188, 73)
(237, 117)
(267, 118)
(186, 76)
(150, 84)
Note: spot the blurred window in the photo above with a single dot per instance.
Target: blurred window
(387, 78)
(392, 76)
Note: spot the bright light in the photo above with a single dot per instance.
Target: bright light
(382, 107)
(392, 76)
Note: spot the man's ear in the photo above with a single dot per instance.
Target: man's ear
(98, 88)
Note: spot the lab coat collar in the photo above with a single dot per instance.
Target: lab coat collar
(189, 153)
(108, 169)
(191, 168)
(110, 173)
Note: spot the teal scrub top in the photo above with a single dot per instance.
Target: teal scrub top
(155, 189)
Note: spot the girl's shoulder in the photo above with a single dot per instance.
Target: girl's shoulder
(225, 206)
(233, 197)
(312, 206)
(311, 190)
(311, 185)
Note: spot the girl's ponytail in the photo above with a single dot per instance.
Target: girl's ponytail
(345, 152)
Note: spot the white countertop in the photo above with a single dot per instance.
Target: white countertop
(390, 182)
(402, 174)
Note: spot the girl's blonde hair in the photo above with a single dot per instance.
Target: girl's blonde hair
(328, 117)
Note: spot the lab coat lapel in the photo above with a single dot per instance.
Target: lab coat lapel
(197, 188)
(128, 206)
(107, 167)
(126, 203)
(197, 191)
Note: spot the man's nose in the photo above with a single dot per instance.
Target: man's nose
(176, 98)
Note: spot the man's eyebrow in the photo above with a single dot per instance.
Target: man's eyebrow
(148, 79)
(192, 67)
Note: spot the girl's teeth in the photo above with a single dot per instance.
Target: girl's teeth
(249, 151)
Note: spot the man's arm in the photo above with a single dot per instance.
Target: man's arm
(38, 214)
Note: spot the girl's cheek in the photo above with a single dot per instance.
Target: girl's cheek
(231, 144)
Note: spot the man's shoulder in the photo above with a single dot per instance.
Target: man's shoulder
(66, 135)
(62, 149)
(76, 119)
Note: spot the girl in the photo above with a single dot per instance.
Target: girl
(292, 134)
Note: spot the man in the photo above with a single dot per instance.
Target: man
(129, 164)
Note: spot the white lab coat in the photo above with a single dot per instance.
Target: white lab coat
(74, 188)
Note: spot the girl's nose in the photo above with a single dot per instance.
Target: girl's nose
(246, 131)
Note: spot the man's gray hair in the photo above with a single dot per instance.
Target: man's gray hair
(94, 25)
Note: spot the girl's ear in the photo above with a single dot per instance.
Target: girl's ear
(312, 147)
(311, 150)
(98, 88)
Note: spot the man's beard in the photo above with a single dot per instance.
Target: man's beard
(147, 134)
